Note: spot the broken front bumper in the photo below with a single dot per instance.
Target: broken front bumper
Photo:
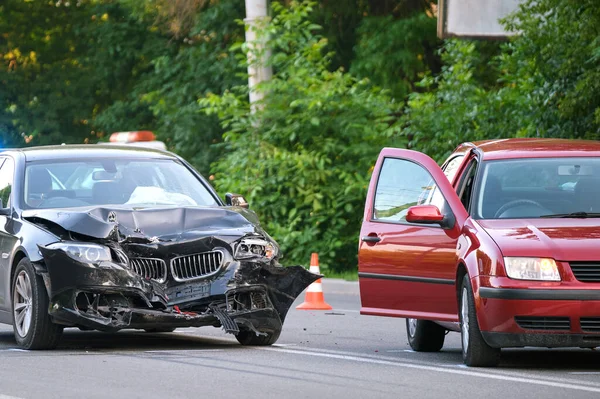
(246, 295)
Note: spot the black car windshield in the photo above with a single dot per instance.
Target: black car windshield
(126, 182)
(538, 188)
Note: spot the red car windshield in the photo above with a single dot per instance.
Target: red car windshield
(533, 188)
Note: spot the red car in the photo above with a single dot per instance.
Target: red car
(501, 243)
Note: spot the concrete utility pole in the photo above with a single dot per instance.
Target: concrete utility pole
(258, 71)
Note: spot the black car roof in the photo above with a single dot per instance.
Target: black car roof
(74, 151)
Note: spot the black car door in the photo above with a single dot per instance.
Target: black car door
(7, 240)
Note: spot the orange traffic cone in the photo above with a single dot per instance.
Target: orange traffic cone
(314, 294)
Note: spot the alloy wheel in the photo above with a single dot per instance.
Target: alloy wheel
(22, 303)
(464, 312)
(412, 327)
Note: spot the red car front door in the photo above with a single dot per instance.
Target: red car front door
(409, 269)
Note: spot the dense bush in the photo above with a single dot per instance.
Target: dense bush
(542, 83)
(304, 158)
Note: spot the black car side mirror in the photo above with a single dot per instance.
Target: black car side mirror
(236, 200)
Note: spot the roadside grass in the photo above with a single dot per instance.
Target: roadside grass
(348, 275)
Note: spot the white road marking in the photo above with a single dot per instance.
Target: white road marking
(571, 385)
(424, 363)
(401, 351)
(183, 351)
(585, 372)
(9, 397)
(13, 350)
(284, 345)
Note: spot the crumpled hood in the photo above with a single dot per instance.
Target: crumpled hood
(561, 239)
(169, 223)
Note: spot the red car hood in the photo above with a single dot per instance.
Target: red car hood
(561, 239)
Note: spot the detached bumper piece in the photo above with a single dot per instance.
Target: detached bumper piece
(249, 308)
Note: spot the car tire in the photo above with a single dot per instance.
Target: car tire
(425, 335)
(249, 338)
(475, 351)
(32, 325)
(160, 330)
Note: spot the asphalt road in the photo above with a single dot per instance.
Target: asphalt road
(333, 354)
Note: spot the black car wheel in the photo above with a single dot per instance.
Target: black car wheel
(248, 337)
(32, 325)
(476, 352)
(425, 335)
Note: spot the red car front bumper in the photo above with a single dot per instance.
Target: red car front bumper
(517, 314)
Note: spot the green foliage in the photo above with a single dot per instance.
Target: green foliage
(560, 50)
(166, 93)
(457, 105)
(76, 71)
(396, 53)
(41, 80)
(543, 83)
(305, 157)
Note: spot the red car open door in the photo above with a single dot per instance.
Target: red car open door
(408, 268)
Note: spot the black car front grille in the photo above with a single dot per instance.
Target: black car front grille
(195, 266)
(590, 324)
(150, 268)
(543, 323)
(587, 272)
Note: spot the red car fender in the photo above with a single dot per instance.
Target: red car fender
(480, 256)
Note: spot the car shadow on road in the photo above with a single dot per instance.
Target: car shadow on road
(75, 340)
(532, 358)
(551, 359)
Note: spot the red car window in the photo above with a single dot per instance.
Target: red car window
(403, 184)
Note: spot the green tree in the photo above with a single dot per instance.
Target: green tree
(193, 59)
(542, 83)
(305, 157)
(396, 53)
(41, 100)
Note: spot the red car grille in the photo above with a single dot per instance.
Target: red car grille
(587, 272)
(543, 323)
(590, 324)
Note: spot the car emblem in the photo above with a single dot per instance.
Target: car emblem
(112, 217)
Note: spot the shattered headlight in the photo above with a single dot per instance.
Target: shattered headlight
(255, 247)
(86, 253)
(543, 269)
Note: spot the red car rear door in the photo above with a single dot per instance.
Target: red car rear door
(408, 269)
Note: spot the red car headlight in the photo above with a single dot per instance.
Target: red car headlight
(521, 268)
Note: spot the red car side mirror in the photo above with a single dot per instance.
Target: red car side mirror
(429, 214)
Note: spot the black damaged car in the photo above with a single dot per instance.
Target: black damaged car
(109, 238)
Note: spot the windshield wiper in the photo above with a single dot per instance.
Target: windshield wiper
(580, 215)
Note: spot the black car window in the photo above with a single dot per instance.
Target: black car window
(128, 182)
(403, 184)
(7, 172)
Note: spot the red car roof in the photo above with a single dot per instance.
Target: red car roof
(537, 148)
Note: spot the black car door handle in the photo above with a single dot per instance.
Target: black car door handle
(371, 239)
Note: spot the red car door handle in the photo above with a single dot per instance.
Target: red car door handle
(371, 239)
